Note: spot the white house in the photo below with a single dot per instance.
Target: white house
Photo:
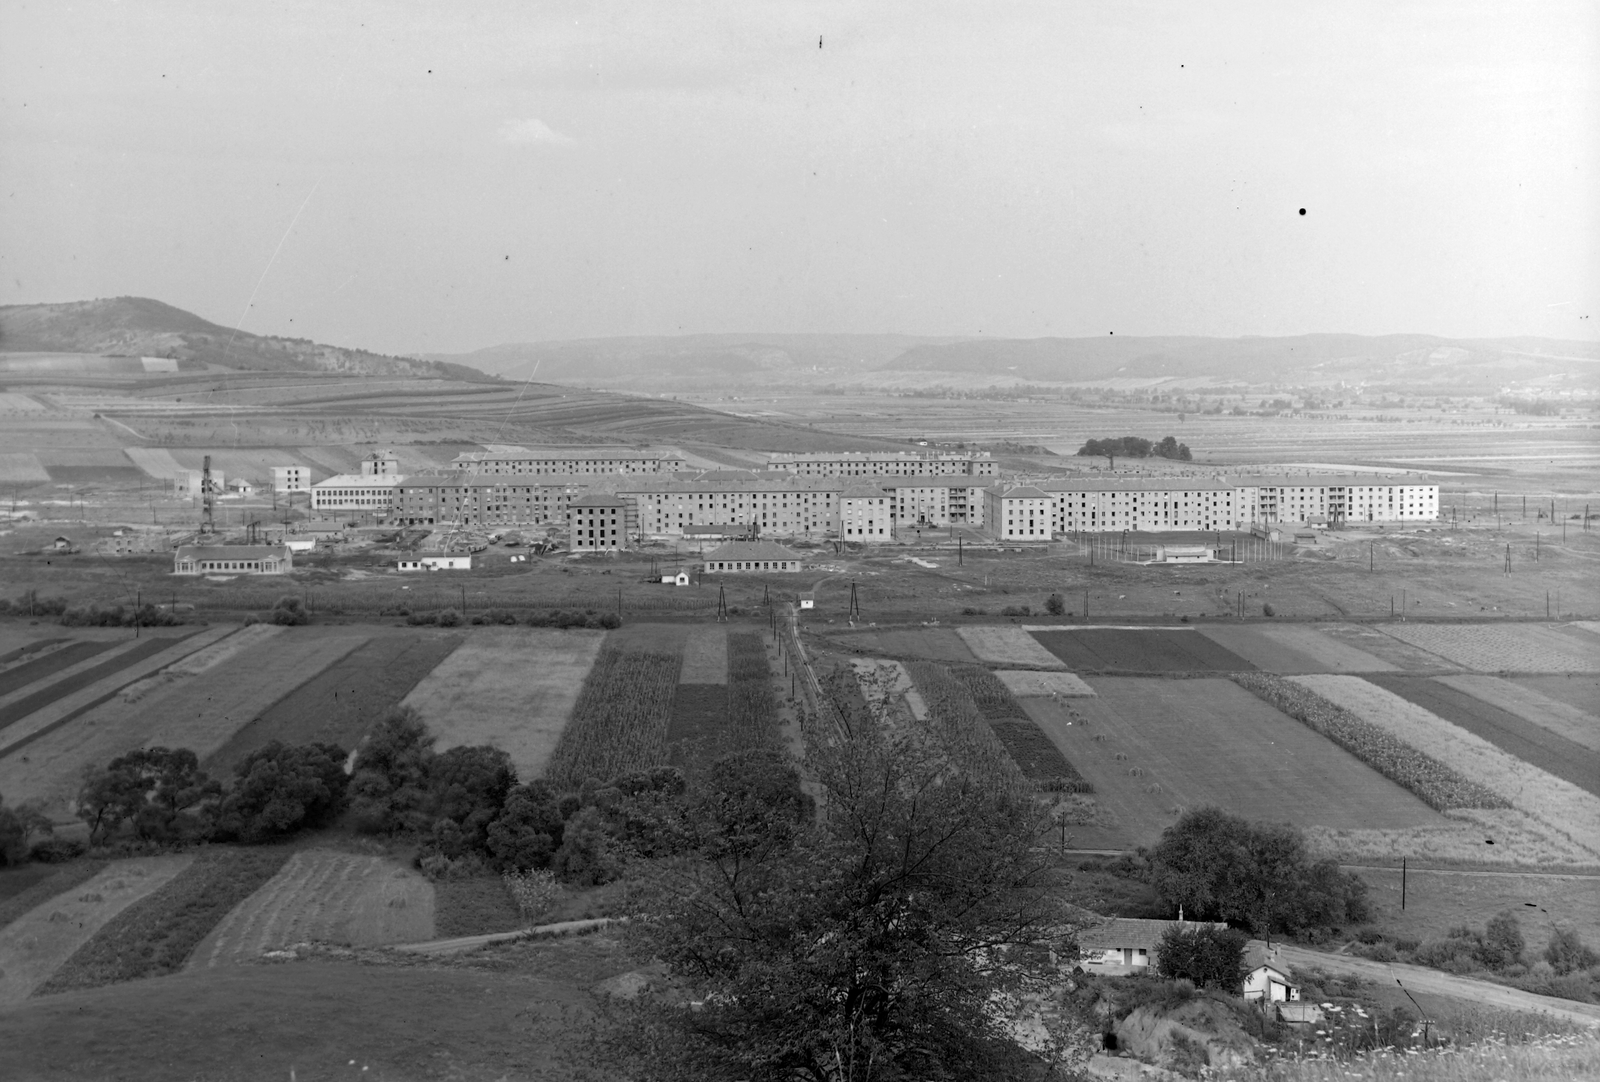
(1018, 513)
(234, 559)
(1122, 946)
(1267, 981)
(436, 561)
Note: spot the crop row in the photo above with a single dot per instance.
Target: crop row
(1436, 784)
(620, 720)
(752, 707)
(1035, 754)
(992, 697)
(963, 727)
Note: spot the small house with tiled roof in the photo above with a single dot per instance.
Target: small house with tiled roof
(1121, 946)
(746, 556)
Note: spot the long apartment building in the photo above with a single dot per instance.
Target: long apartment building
(790, 506)
(367, 493)
(553, 459)
(461, 497)
(885, 464)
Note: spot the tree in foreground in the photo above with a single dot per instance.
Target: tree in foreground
(898, 935)
(389, 790)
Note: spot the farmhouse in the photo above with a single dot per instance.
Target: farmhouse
(598, 523)
(1125, 945)
(1267, 981)
(370, 493)
(236, 559)
(753, 556)
(884, 464)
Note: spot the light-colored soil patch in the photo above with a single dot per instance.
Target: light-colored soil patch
(510, 687)
(200, 713)
(705, 656)
(1154, 748)
(333, 897)
(36, 944)
(1026, 682)
(1527, 703)
(1559, 804)
(1289, 648)
(1500, 647)
(1010, 646)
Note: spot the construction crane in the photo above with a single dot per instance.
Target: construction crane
(208, 497)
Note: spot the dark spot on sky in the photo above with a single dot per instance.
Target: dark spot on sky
(1302, 212)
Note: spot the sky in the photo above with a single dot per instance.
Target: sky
(440, 177)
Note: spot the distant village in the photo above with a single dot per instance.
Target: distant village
(604, 500)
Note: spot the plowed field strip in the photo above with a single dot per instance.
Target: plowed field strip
(21, 708)
(20, 676)
(1577, 690)
(705, 656)
(1155, 650)
(1562, 719)
(1286, 648)
(1527, 741)
(1499, 648)
(342, 703)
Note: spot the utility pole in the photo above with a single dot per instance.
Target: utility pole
(138, 600)
(722, 604)
(1508, 559)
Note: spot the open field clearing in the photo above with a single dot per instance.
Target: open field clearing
(936, 644)
(510, 687)
(1500, 648)
(1558, 803)
(1154, 747)
(1575, 689)
(157, 934)
(1106, 649)
(199, 713)
(1464, 836)
(66, 708)
(18, 642)
(23, 888)
(1293, 648)
(1026, 682)
(1401, 655)
(326, 896)
(1510, 733)
(16, 678)
(1009, 646)
(341, 704)
(38, 943)
(705, 656)
(619, 722)
(1518, 698)
(107, 664)
(1437, 901)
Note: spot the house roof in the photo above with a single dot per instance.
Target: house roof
(598, 499)
(752, 550)
(1022, 492)
(864, 490)
(360, 480)
(232, 552)
(1133, 932)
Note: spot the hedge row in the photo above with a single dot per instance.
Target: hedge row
(1440, 787)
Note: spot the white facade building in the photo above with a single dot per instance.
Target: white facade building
(369, 493)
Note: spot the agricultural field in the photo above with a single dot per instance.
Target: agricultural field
(1399, 654)
(619, 722)
(1560, 805)
(1511, 733)
(511, 687)
(326, 896)
(1530, 648)
(1521, 698)
(1029, 682)
(1009, 647)
(705, 656)
(1153, 748)
(1575, 689)
(1439, 900)
(1292, 648)
(1157, 649)
(38, 943)
(950, 708)
(200, 713)
(935, 644)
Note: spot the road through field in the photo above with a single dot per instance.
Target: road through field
(1420, 981)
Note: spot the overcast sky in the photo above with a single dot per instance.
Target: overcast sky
(441, 177)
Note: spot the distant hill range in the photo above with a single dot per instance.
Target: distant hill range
(1404, 362)
(137, 326)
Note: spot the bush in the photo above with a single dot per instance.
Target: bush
(535, 893)
(1267, 610)
(1210, 957)
(1502, 942)
(389, 787)
(528, 830)
(162, 792)
(449, 618)
(17, 825)
(279, 789)
(289, 612)
(58, 850)
(1567, 954)
(1055, 605)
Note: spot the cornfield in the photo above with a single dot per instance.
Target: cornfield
(963, 728)
(619, 722)
(1040, 761)
(752, 707)
(991, 696)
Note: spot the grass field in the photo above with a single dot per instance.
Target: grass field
(34, 946)
(950, 708)
(19, 675)
(1510, 733)
(1525, 701)
(1011, 647)
(473, 906)
(1437, 901)
(1530, 648)
(24, 886)
(1154, 747)
(1558, 803)
(326, 896)
(1108, 649)
(1292, 648)
(341, 704)
(109, 670)
(705, 656)
(1025, 682)
(619, 722)
(510, 687)
(1574, 689)
(1462, 838)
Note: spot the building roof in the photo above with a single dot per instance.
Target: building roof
(876, 456)
(232, 552)
(360, 480)
(1021, 492)
(1133, 932)
(577, 453)
(932, 480)
(752, 550)
(864, 490)
(598, 499)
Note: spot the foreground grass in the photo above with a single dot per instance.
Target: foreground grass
(1545, 1059)
(156, 934)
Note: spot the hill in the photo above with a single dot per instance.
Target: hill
(1403, 362)
(138, 326)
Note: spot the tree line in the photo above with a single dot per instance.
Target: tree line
(1135, 447)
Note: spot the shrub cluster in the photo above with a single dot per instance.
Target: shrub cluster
(1567, 968)
(93, 614)
(29, 603)
(1439, 786)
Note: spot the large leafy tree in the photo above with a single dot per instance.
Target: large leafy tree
(891, 937)
(17, 825)
(389, 789)
(279, 789)
(161, 791)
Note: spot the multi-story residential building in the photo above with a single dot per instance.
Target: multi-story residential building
(468, 499)
(598, 522)
(865, 514)
(936, 501)
(380, 464)
(287, 479)
(771, 504)
(884, 464)
(1018, 512)
(554, 459)
(367, 493)
(1346, 499)
(1128, 504)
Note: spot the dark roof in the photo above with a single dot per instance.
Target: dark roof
(598, 499)
(864, 490)
(232, 552)
(1133, 932)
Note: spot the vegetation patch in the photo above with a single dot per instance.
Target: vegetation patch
(1438, 785)
(705, 656)
(1498, 648)
(1023, 683)
(963, 728)
(18, 709)
(20, 676)
(699, 724)
(1530, 704)
(619, 723)
(1007, 646)
(156, 934)
(1040, 761)
(1143, 650)
(473, 905)
(752, 707)
(991, 694)
(42, 888)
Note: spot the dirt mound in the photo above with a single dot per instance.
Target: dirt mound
(1199, 1033)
